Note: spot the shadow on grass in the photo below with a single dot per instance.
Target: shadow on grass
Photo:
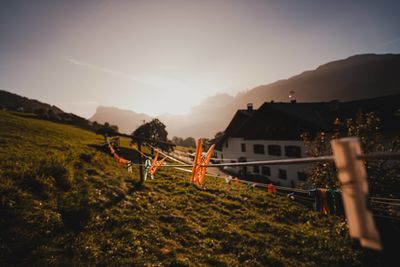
(124, 152)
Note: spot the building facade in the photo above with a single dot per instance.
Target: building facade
(274, 132)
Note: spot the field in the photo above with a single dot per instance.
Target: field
(66, 201)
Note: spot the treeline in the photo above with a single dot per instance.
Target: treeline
(187, 142)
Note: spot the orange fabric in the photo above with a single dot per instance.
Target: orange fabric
(271, 188)
(110, 147)
(197, 160)
(204, 164)
(323, 201)
(199, 164)
(122, 161)
(157, 165)
(153, 163)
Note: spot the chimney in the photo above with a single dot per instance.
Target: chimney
(250, 107)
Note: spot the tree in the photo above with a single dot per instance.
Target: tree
(95, 126)
(153, 133)
(177, 141)
(219, 135)
(189, 142)
(206, 143)
(383, 174)
(107, 129)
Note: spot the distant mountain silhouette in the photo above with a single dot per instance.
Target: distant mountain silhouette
(357, 77)
(126, 120)
(16, 102)
(197, 123)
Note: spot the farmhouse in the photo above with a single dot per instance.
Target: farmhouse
(274, 132)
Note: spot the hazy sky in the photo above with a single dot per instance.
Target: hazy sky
(166, 56)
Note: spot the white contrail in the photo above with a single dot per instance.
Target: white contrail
(149, 80)
(106, 70)
(393, 41)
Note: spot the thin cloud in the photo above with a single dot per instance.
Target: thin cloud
(82, 103)
(391, 42)
(158, 81)
(102, 69)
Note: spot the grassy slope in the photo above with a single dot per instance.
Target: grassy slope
(65, 202)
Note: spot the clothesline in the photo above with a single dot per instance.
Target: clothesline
(276, 162)
(374, 155)
(307, 199)
(320, 200)
(388, 199)
(166, 155)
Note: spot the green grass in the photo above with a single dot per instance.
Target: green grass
(65, 202)
(185, 149)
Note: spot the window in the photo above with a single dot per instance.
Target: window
(282, 174)
(259, 149)
(266, 170)
(293, 151)
(274, 150)
(301, 176)
(243, 146)
(256, 169)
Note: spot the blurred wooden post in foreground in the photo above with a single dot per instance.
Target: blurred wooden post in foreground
(353, 181)
(139, 144)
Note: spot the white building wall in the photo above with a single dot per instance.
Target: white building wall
(234, 151)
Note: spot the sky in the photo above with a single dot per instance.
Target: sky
(167, 56)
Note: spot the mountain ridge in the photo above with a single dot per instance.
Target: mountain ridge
(356, 77)
(13, 101)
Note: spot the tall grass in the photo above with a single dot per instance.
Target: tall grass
(65, 202)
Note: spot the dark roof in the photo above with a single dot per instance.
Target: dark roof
(234, 126)
(287, 121)
(237, 122)
(387, 109)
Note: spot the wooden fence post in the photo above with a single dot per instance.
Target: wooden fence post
(353, 179)
(139, 144)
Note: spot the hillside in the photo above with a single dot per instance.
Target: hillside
(65, 202)
(16, 102)
(35, 108)
(357, 77)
